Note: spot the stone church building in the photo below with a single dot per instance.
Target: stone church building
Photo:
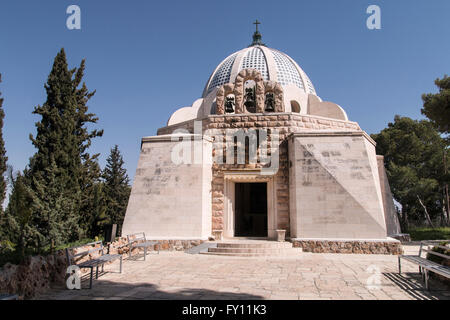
(327, 183)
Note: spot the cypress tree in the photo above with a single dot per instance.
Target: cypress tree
(3, 157)
(117, 187)
(55, 139)
(57, 208)
(62, 170)
(98, 217)
(90, 169)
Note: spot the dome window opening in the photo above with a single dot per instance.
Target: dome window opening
(269, 102)
(295, 106)
(229, 103)
(250, 96)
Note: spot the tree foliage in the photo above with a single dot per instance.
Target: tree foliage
(63, 195)
(436, 107)
(18, 220)
(413, 154)
(117, 188)
(3, 157)
(62, 172)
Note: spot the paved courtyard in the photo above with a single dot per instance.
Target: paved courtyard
(177, 275)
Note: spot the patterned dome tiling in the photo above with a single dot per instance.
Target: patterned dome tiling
(255, 59)
(222, 74)
(286, 70)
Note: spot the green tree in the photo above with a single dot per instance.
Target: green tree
(90, 169)
(436, 106)
(89, 190)
(3, 157)
(62, 163)
(413, 152)
(117, 187)
(19, 216)
(99, 217)
(57, 206)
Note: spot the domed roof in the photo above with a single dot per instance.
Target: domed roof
(299, 95)
(273, 65)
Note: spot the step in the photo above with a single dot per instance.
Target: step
(250, 250)
(233, 254)
(256, 248)
(262, 245)
(291, 252)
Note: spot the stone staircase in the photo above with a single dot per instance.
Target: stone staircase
(252, 248)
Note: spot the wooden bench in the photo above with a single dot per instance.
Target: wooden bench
(426, 265)
(97, 247)
(138, 240)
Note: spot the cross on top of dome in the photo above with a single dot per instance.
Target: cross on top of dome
(257, 36)
(256, 24)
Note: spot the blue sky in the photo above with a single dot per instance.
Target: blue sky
(148, 58)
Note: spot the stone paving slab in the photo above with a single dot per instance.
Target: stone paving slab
(180, 276)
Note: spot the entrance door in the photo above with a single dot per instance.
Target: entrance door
(250, 210)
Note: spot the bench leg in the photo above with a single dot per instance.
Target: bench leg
(90, 280)
(399, 266)
(121, 264)
(145, 252)
(96, 273)
(159, 247)
(426, 280)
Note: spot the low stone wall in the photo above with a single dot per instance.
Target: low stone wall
(33, 276)
(36, 274)
(349, 246)
(120, 245)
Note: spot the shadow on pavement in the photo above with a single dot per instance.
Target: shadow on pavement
(104, 289)
(412, 284)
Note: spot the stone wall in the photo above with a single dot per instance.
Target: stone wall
(392, 223)
(349, 246)
(286, 124)
(334, 186)
(120, 246)
(33, 276)
(293, 122)
(171, 199)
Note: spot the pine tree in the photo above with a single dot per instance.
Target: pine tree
(413, 152)
(117, 187)
(436, 106)
(3, 157)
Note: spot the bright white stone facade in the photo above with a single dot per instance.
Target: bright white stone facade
(330, 184)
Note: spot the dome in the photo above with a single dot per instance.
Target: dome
(297, 95)
(273, 65)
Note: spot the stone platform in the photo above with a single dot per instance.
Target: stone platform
(175, 275)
